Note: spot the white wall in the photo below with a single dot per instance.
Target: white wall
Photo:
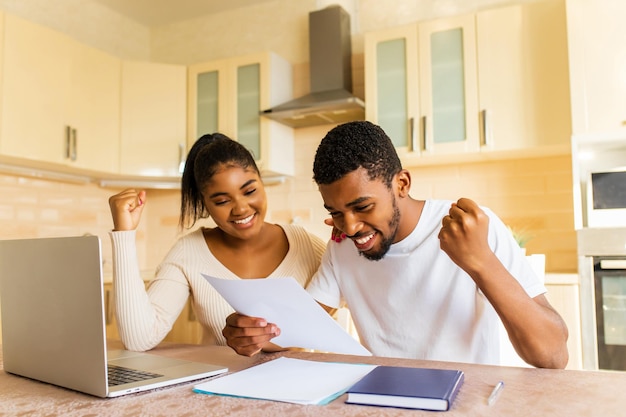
(87, 21)
(278, 25)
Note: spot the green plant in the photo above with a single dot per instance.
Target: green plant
(521, 236)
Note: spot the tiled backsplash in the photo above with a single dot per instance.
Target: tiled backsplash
(530, 195)
(533, 195)
(33, 207)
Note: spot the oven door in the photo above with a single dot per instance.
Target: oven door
(610, 302)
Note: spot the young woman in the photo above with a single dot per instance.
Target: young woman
(221, 181)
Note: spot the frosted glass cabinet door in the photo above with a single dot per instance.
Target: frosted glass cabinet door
(448, 87)
(208, 100)
(391, 84)
(392, 91)
(249, 107)
(225, 97)
(449, 98)
(228, 95)
(208, 104)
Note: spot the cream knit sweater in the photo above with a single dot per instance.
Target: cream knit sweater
(145, 317)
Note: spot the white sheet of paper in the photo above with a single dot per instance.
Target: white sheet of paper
(289, 380)
(303, 323)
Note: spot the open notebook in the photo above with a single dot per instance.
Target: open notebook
(53, 322)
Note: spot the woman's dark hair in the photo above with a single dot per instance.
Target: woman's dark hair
(353, 145)
(206, 156)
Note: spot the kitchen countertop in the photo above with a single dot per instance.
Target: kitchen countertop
(565, 278)
(146, 275)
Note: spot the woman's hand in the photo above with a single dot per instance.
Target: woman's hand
(249, 335)
(126, 208)
(336, 235)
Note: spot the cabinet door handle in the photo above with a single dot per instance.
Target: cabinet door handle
(613, 264)
(74, 142)
(412, 138)
(68, 142)
(424, 133)
(108, 306)
(486, 131)
(181, 157)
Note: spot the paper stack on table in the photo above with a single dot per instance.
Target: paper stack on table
(289, 380)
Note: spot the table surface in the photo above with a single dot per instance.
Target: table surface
(527, 392)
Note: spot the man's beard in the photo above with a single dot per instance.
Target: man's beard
(387, 241)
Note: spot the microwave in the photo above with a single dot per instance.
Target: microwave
(606, 199)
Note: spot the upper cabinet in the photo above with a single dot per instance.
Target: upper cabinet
(61, 99)
(391, 83)
(448, 89)
(227, 96)
(597, 51)
(491, 81)
(1, 62)
(153, 119)
(523, 77)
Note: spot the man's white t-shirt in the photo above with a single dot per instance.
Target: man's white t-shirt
(416, 302)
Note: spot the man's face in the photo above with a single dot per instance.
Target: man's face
(365, 210)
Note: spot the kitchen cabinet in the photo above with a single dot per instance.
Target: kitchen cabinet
(523, 76)
(186, 329)
(481, 83)
(392, 85)
(109, 313)
(153, 119)
(564, 295)
(597, 55)
(227, 96)
(448, 85)
(61, 99)
(1, 69)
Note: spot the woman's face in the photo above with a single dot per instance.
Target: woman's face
(236, 200)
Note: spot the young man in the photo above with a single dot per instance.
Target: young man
(422, 279)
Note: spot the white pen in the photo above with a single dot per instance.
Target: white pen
(495, 393)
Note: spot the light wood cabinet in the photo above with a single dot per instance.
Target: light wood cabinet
(153, 119)
(1, 71)
(564, 296)
(109, 313)
(186, 329)
(523, 83)
(60, 99)
(478, 83)
(228, 95)
(597, 56)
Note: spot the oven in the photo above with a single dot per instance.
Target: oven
(602, 271)
(610, 303)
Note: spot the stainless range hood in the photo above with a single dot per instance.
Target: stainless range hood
(330, 55)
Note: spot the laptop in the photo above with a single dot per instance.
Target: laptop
(53, 322)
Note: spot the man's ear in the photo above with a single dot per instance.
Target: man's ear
(403, 183)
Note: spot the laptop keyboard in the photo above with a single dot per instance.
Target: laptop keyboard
(119, 375)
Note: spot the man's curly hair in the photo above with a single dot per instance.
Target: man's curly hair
(353, 145)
